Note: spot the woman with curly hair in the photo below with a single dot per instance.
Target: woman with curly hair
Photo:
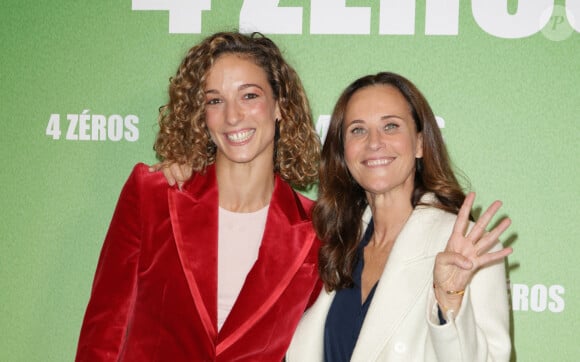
(397, 286)
(223, 269)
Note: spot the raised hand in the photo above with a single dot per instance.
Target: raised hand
(466, 252)
(173, 172)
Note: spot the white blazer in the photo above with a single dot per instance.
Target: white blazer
(402, 324)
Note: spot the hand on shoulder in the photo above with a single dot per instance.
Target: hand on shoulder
(174, 173)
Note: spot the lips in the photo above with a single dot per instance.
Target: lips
(240, 136)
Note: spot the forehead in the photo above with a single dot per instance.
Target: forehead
(235, 66)
(383, 99)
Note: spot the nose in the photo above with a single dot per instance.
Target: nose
(233, 113)
(375, 140)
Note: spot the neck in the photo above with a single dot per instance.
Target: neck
(244, 187)
(390, 213)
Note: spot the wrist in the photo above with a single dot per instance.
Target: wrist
(448, 299)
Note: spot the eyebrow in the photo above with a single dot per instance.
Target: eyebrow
(241, 87)
(385, 117)
(250, 85)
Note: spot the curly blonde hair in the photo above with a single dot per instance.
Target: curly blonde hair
(183, 135)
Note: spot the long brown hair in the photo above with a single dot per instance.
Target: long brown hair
(183, 136)
(342, 201)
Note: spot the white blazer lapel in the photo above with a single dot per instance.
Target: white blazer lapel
(308, 341)
(406, 275)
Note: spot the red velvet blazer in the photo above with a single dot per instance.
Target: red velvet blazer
(154, 296)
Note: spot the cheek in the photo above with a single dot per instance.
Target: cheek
(211, 118)
(263, 111)
(265, 116)
(406, 146)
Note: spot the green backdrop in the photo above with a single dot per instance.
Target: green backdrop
(81, 83)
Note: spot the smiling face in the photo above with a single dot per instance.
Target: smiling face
(240, 111)
(381, 141)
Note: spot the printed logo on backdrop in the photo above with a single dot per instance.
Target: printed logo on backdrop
(561, 23)
(93, 127)
(395, 17)
(538, 298)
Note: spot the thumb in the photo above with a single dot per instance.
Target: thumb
(453, 258)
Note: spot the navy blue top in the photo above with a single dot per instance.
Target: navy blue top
(346, 314)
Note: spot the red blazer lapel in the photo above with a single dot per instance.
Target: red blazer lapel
(192, 211)
(287, 239)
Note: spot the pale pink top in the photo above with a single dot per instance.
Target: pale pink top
(239, 239)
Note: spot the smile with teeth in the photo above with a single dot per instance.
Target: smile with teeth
(378, 162)
(240, 136)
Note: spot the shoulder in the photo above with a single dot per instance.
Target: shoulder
(141, 180)
(427, 211)
(139, 172)
(431, 225)
(304, 201)
(434, 215)
(293, 204)
(304, 206)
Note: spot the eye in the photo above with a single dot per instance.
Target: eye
(391, 126)
(213, 101)
(357, 130)
(250, 96)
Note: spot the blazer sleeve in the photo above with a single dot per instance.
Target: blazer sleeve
(108, 313)
(480, 330)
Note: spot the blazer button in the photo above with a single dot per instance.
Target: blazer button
(400, 347)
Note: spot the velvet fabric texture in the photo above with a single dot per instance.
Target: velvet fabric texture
(154, 296)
